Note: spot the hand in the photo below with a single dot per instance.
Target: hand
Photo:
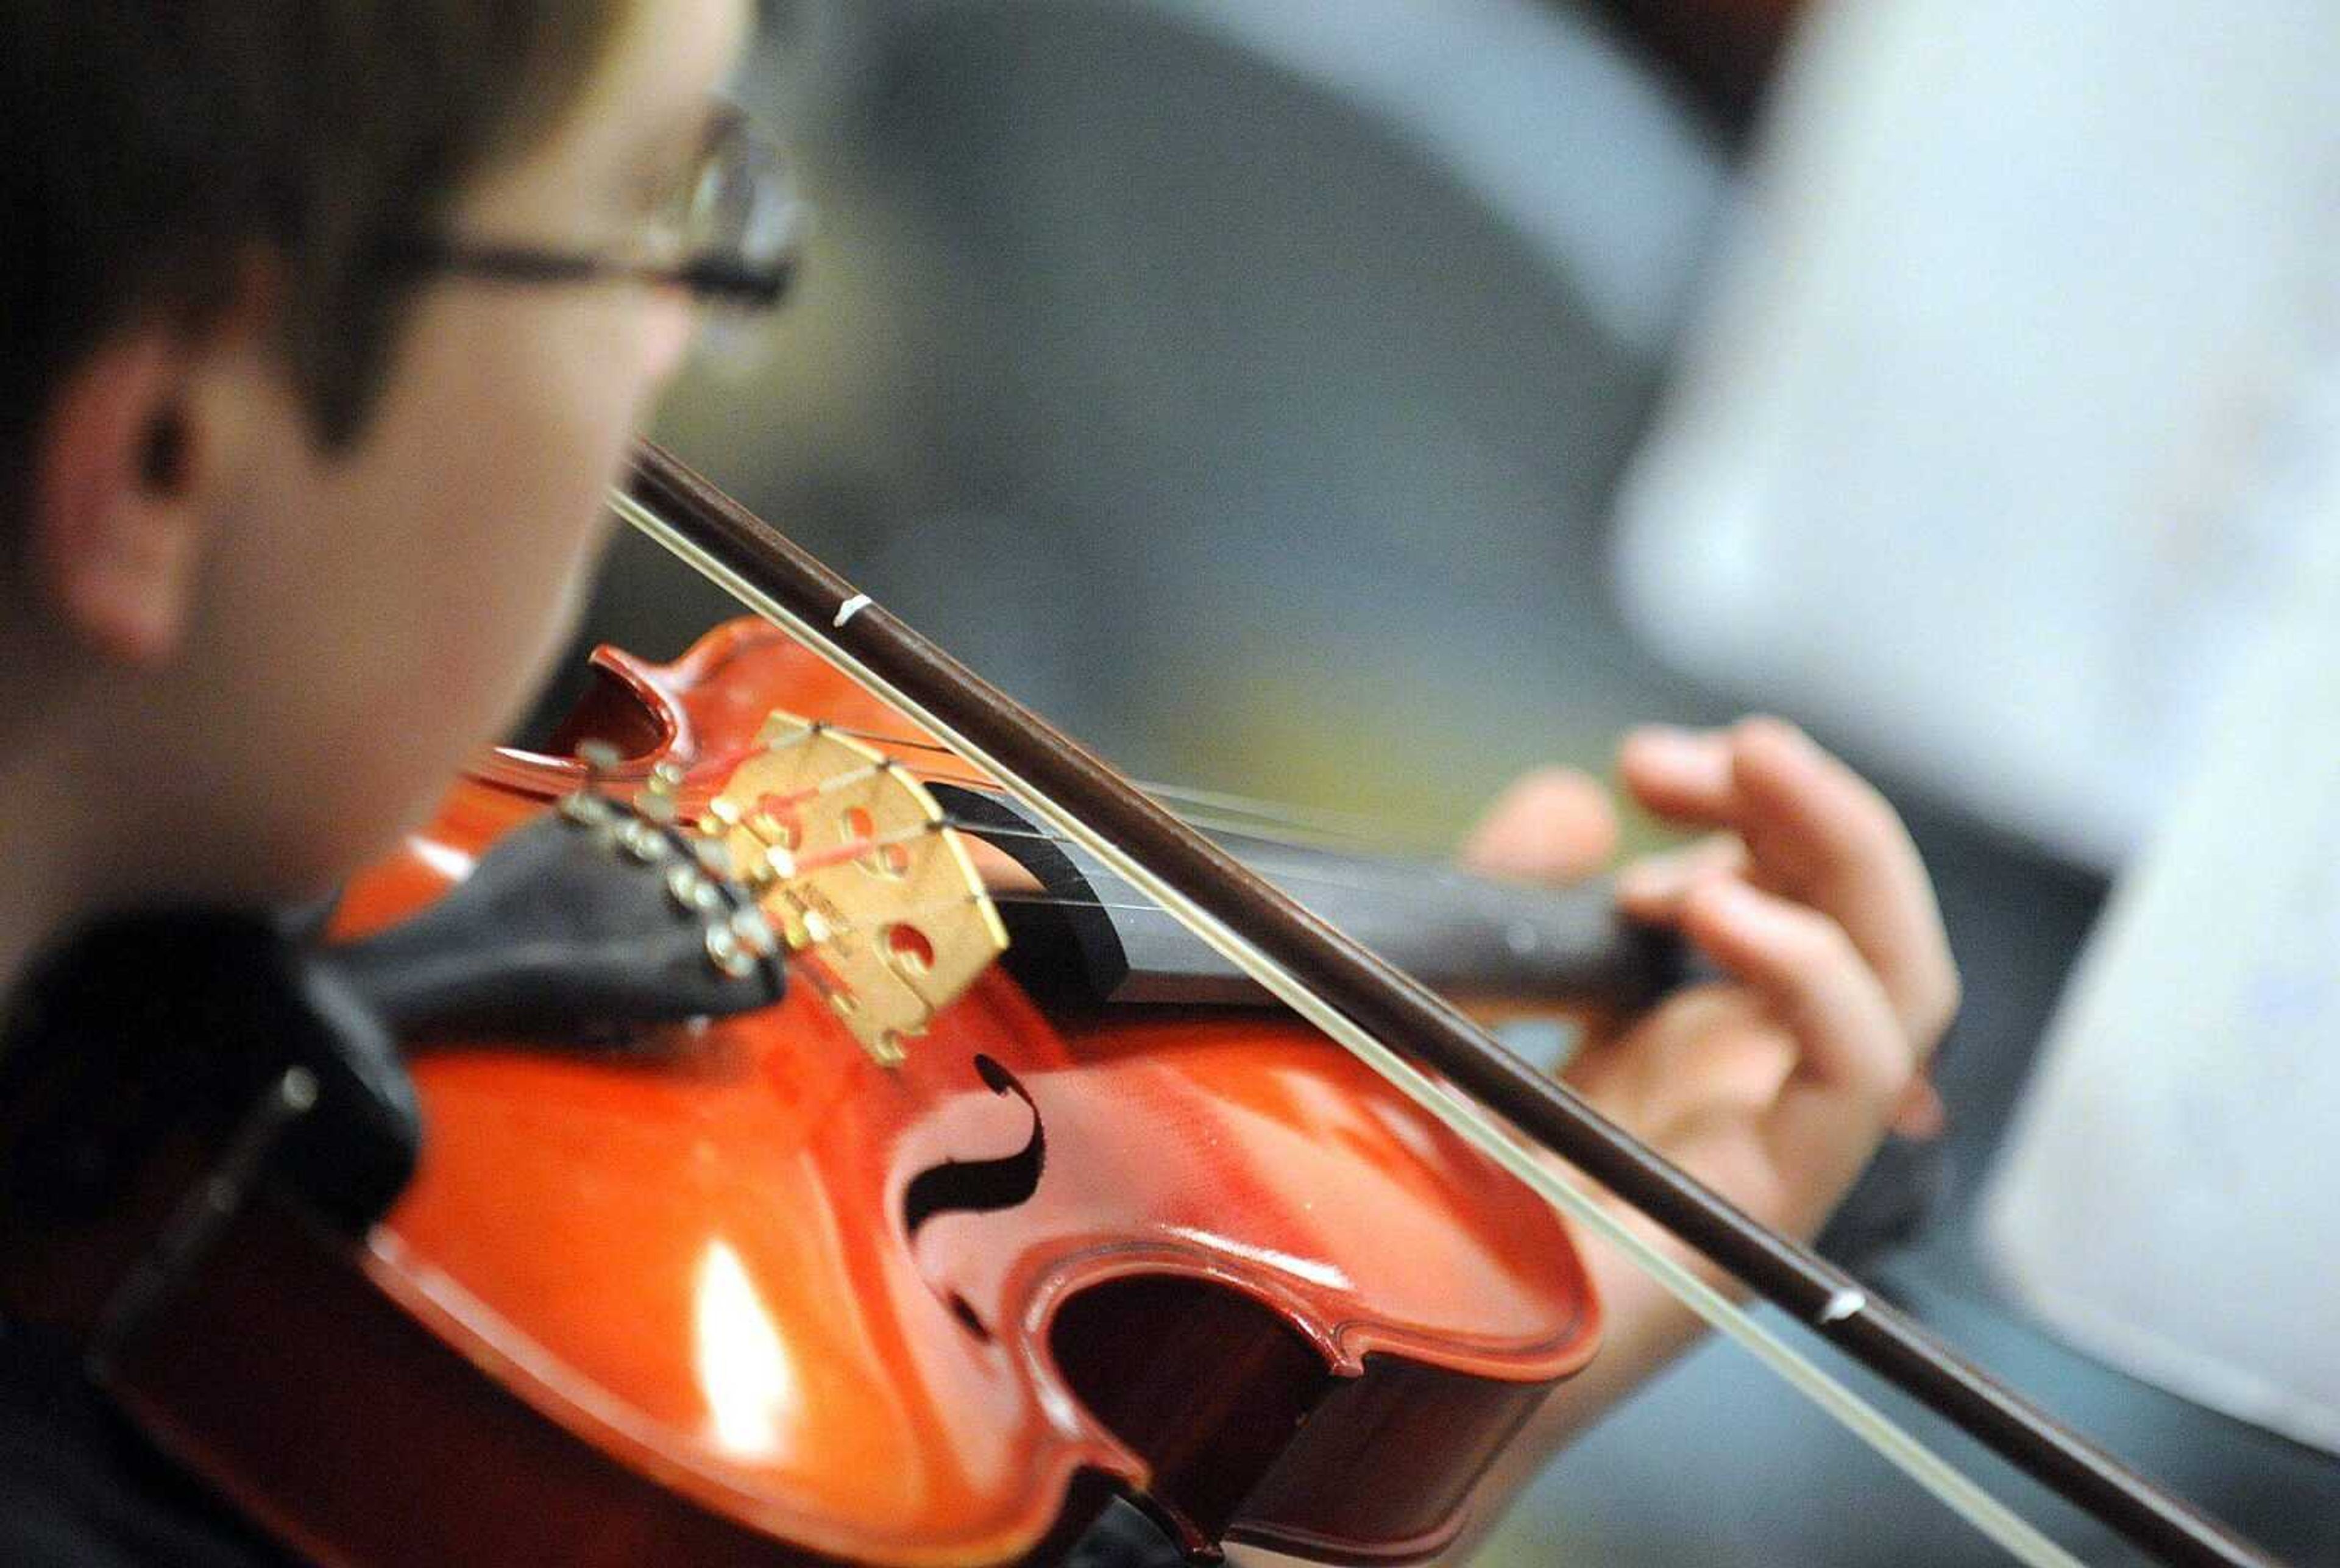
(1775, 1086)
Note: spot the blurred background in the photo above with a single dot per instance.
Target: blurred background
(1354, 402)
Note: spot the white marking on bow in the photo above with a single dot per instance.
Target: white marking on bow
(1844, 1304)
(849, 608)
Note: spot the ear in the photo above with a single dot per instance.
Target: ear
(120, 498)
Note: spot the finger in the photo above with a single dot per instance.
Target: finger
(1716, 1048)
(1680, 775)
(1554, 823)
(1850, 1039)
(1922, 1114)
(1652, 887)
(1819, 833)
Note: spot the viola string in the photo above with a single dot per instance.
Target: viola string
(1044, 900)
(1206, 821)
(1350, 826)
(1284, 825)
(1321, 876)
(1067, 901)
(975, 829)
(1228, 808)
(895, 742)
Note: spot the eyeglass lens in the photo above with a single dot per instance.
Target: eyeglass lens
(743, 205)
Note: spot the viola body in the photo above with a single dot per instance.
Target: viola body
(746, 1295)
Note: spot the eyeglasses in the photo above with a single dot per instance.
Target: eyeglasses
(730, 235)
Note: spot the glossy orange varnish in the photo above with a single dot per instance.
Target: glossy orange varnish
(696, 1257)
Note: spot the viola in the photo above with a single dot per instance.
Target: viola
(892, 1307)
(889, 1263)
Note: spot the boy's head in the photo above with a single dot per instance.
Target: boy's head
(162, 140)
(286, 521)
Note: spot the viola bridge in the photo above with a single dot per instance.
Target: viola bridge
(850, 856)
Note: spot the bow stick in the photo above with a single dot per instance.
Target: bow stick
(1363, 1003)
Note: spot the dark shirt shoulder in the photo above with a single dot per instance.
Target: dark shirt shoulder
(79, 1488)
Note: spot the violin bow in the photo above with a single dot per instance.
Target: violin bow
(1363, 1003)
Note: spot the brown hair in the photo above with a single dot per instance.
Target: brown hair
(151, 144)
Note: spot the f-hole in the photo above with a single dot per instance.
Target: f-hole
(979, 1186)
